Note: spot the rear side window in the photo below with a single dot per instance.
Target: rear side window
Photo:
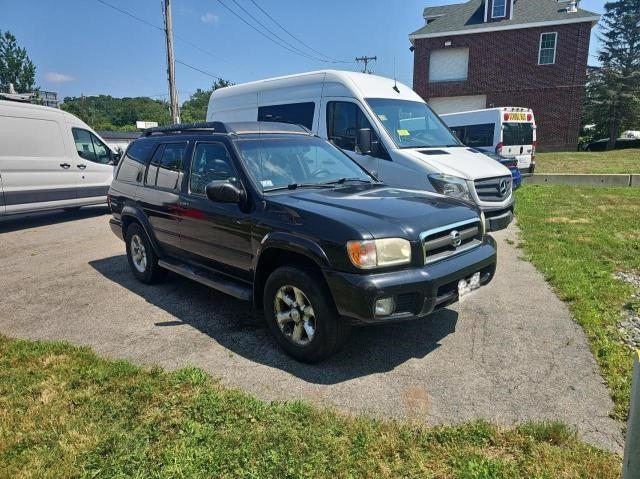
(211, 162)
(475, 135)
(517, 134)
(166, 168)
(298, 113)
(134, 161)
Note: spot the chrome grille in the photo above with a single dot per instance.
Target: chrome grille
(494, 189)
(440, 243)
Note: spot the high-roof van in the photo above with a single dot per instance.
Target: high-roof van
(382, 124)
(506, 131)
(50, 159)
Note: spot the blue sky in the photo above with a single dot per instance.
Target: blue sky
(85, 47)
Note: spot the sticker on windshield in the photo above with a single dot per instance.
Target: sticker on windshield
(266, 183)
(382, 117)
(404, 133)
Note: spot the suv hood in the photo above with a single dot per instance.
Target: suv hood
(459, 161)
(379, 210)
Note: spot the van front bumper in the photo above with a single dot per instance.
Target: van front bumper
(417, 292)
(496, 220)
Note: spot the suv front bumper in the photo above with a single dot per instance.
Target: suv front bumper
(417, 291)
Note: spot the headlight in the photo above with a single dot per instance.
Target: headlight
(451, 186)
(369, 254)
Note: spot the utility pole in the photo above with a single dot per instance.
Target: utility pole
(173, 92)
(366, 61)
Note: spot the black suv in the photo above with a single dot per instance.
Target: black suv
(269, 213)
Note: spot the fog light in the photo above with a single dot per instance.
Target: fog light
(385, 306)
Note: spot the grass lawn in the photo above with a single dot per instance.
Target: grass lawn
(64, 412)
(578, 237)
(616, 161)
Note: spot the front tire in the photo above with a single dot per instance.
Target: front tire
(301, 315)
(143, 260)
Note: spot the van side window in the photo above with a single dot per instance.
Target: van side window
(475, 135)
(134, 161)
(344, 119)
(90, 148)
(211, 162)
(297, 113)
(166, 168)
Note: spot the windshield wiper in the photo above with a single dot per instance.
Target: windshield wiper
(295, 186)
(341, 181)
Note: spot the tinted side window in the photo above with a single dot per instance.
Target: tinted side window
(517, 134)
(211, 161)
(475, 135)
(132, 164)
(344, 119)
(298, 113)
(165, 170)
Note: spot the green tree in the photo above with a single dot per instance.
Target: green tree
(15, 65)
(195, 108)
(615, 90)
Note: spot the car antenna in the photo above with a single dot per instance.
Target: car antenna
(395, 81)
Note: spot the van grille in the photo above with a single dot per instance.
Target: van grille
(494, 189)
(449, 240)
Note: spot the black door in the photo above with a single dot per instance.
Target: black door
(161, 196)
(217, 235)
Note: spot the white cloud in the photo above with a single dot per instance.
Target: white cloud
(54, 77)
(209, 18)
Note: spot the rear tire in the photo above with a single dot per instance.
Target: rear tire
(143, 260)
(311, 331)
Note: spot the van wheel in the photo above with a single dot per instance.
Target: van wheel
(301, 315)
(142, 258)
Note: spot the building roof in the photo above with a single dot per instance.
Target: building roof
(465, 18)
(119, 135)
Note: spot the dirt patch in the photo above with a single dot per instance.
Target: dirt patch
(629, 325)
(562, 219)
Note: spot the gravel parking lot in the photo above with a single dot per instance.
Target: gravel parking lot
(508, 353)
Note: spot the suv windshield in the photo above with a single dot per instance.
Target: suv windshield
(412, 124)
(287, 162)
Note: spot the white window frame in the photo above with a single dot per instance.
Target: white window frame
(504, 10)
(555, 46)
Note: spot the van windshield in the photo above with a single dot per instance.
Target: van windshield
(412, 124)
(517, 134)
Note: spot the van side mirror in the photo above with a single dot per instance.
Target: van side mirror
(224, 191)
(363, 141)
(115, 159)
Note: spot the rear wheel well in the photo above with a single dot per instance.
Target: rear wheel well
(274, 258)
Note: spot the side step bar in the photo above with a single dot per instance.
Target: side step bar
(220, 282)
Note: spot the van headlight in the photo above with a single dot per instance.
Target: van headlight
(451, 186)
(367, 254)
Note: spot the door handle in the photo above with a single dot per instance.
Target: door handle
(82, 167)
(184, 204)
(65, 165)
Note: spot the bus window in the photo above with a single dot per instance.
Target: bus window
(517, 134)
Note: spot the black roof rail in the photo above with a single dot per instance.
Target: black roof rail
(215, 126)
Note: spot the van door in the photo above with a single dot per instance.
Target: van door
(37, 172)
(344, 117)
(94, 167)
(517, 142)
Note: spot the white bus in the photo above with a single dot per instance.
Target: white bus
(383, 125)
(506, 131)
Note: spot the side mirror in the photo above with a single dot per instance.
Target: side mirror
(115, 159)
(224, 191)
(363, 141)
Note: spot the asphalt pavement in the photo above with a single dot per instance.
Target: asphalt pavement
(508, 353)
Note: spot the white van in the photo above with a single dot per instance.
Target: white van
(506, 131)
(385, 126)
(50, 159)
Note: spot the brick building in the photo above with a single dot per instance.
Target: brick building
(492, 53)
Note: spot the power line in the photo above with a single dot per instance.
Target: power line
(279, 43)
(161, 29)
(201, 71)
(295, 37)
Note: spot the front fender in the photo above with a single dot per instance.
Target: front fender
(295, 244)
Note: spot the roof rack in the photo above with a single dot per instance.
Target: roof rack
(215, 126)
